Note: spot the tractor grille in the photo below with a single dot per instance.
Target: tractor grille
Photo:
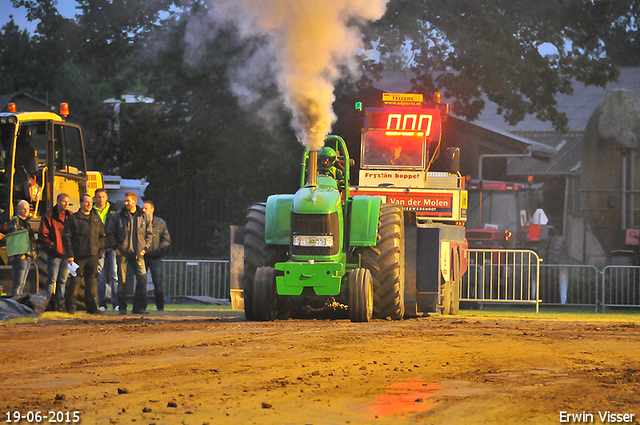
(316, 225)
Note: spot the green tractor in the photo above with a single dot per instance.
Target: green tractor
(324, 246)
(393, 246)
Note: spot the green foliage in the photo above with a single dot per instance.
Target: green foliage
(471, 49)
(18, 63)
(622, 35)
(47, 66)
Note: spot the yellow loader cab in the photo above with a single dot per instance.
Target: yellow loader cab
(41, 155)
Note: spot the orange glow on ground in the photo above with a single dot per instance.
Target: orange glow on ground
(404, 398)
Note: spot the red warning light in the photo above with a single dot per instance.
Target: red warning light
(12, 107)
(507, 235)
(64, 109)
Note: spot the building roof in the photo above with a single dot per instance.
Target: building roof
(578, 106)
(566, 161)
(130, 98)
(27, 102)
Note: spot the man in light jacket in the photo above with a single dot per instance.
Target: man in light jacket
(129, 234)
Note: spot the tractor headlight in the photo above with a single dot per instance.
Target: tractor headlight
(313, 240)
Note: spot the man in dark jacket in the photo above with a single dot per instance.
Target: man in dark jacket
(50, 241)
(129, 234)
(159, 246)
(20, 262)
(84, 241)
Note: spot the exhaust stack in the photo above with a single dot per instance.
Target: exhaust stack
(313, 168)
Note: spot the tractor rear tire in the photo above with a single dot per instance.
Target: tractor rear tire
(360, 295)
(265, 306)
(386, 263)
(557, 251)
(256, 253)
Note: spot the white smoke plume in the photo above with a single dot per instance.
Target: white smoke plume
(308, 41)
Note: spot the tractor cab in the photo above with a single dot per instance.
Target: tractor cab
(401, 135)
(505, 215)
(498, 215)
(400, 141)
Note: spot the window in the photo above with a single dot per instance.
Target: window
(68, 152)
(379, 149)
(498, 208)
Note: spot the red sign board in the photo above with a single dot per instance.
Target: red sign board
(424, 204)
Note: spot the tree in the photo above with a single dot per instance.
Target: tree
(18, 63)
(622, 36)
(470, 49)
(112, 32)
(54, 73)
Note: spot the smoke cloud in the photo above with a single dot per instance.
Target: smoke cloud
(308, 42)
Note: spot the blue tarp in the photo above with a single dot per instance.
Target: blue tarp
(24, 305)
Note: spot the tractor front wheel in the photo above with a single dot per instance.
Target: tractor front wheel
(360, 295)
(265, 306)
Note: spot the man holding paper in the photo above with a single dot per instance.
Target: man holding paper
(84, 241)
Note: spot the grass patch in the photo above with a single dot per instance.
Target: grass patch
(567, 313)
(194, 307)
(181, 309)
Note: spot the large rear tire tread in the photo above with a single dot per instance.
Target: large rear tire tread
(386, 263)
(557, 252)
(256, 253)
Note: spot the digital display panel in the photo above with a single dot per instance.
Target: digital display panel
(405, 121)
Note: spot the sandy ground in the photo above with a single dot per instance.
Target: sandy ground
(216, 368)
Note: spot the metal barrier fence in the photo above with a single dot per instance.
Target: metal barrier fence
(209, 278)
(517, 276)
(503, 276)
(567, 284)
(620, 286)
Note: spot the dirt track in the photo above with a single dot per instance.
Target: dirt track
(217, 368)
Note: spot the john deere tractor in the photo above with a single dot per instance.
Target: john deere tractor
(322, 245)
